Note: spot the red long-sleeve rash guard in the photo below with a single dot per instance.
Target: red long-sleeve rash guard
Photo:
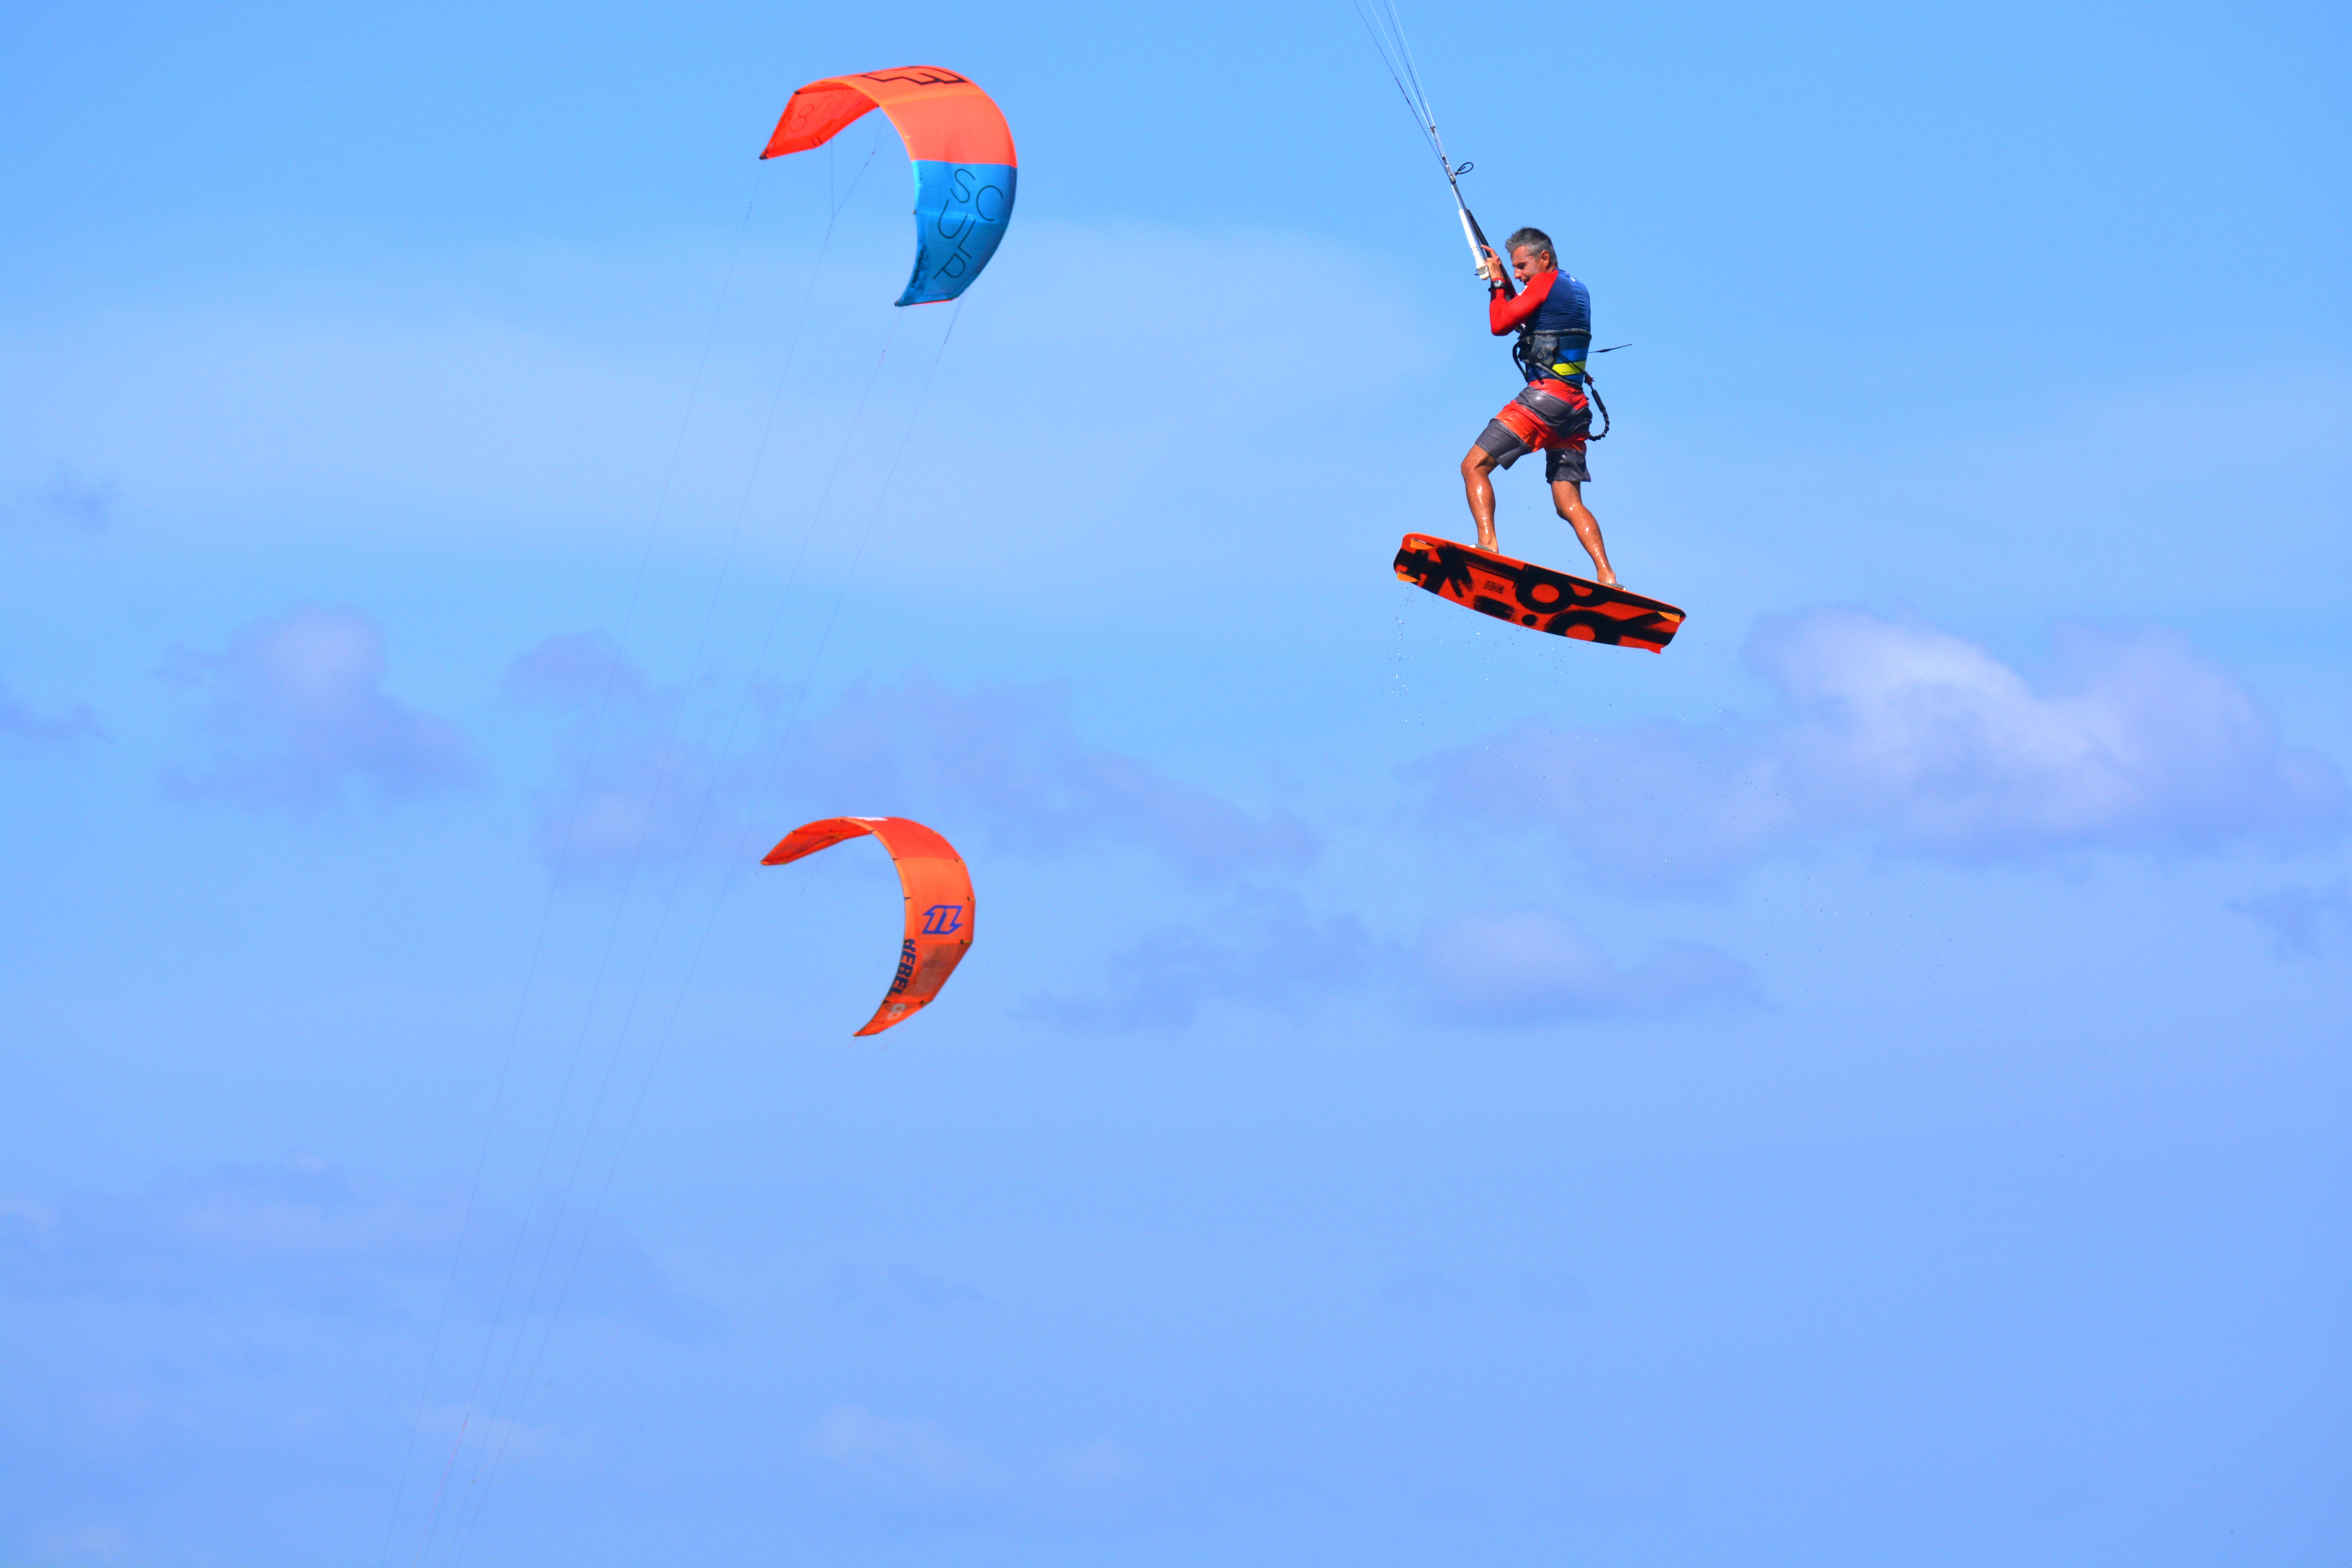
(1504, 314)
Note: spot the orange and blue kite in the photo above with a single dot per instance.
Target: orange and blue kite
(962, 153)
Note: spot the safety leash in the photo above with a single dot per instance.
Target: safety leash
(1592, 390)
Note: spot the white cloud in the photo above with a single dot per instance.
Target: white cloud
(994, 766)
(907, 1458)
(1263, 950)
(295, 714)
(2136, 742)
(916, 1463)
(1010, 758)
(322, 1241)
(1914, 738)
(631, 787)
(1525, 968)
(100, 1546)
(24, 730)
(884, 1295)
(503, 1440)
(65, 500)
(1425, 1292)
(2302, 921)
(1270, 950)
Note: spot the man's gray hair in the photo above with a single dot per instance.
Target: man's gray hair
(1534, 239)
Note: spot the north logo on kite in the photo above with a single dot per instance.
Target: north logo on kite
(943, 920)
(1536, 596)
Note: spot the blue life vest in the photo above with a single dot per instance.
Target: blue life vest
(1554, 340)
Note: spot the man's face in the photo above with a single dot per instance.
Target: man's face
(1527, 261)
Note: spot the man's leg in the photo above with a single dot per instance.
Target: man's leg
(1480, 489)
(1569, 496)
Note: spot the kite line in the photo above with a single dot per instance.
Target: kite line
(564, 850)
(1387, 30)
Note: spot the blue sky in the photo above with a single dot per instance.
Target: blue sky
(1857, 1088)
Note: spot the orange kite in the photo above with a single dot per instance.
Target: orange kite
(939, 903)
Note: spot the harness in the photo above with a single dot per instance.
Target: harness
(1543, 356)
(1561, 355)
(1557, 356)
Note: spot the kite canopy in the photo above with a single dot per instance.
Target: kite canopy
(939, 903)
(962, 153)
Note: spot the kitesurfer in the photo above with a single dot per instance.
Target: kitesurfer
(1552, 315)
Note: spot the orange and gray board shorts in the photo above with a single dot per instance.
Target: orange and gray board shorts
(1551, 417)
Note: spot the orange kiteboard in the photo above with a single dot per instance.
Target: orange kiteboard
(939, 903)
(1536, 596)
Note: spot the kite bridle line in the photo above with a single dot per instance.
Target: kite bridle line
(496, 1421)
(1387, 29)
(669, 1030)
(564, 847)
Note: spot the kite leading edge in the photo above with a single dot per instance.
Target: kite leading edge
(940, 907)
(962, 152)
